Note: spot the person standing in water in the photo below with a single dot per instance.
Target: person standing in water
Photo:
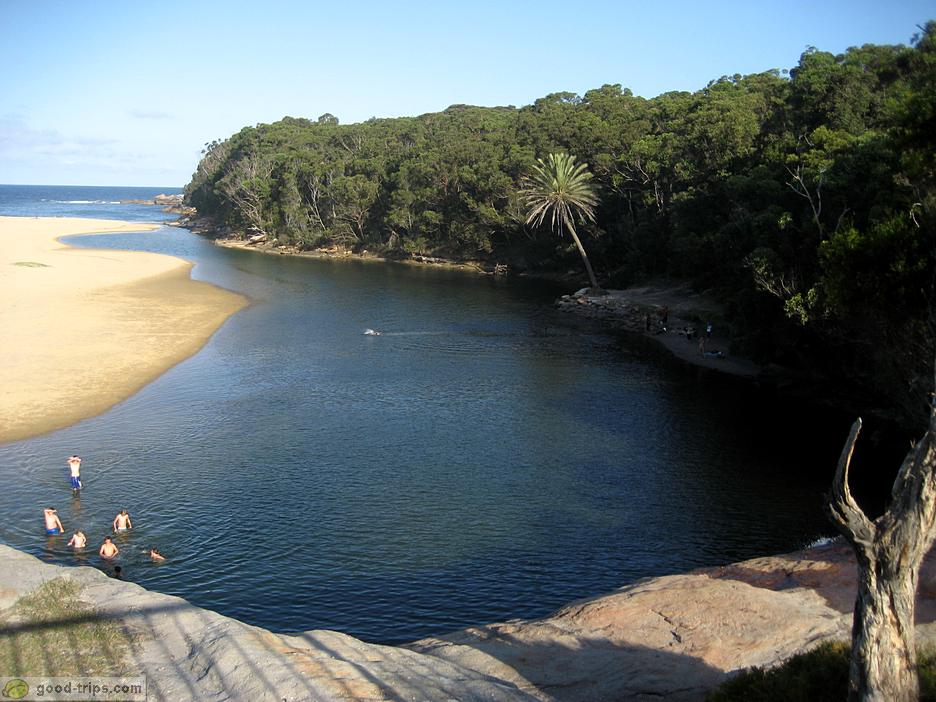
(108, 549)
(74, 465)
(122, 521)
(78, 540)
(53, 525)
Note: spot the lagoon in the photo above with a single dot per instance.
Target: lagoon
(485, 458)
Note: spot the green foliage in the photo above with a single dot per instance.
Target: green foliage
(802, 307)
(559, 189)
(820, 675)
(807, 202)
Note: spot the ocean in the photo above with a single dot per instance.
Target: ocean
(91, 201)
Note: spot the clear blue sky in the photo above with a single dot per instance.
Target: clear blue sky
(127, 93)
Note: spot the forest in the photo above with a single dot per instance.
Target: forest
(803, 198)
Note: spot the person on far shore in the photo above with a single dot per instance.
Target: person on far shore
(108, 549)
(74, 465)
(156, 555)
(53, 525)
(78, 540)
(122, 521)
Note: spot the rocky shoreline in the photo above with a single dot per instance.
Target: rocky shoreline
(222, 236)
(672, 638)
(173, 204)
(638, 310)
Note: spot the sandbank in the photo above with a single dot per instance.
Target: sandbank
(83, 329)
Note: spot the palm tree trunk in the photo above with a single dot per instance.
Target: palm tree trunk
(591, 273)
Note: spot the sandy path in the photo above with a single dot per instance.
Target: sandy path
(83, 329)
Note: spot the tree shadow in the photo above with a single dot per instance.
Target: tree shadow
(569, 668)
(188, 653)
(830, 570)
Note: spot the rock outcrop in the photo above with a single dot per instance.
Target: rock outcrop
(163, 200)
(189, 653)
(670, 638)
(174, 204)
(676, 637)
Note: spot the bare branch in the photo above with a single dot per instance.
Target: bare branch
(844, 511)
(799, 187)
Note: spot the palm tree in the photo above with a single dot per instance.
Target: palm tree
(559, 188)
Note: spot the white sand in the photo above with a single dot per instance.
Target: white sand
(83, 329)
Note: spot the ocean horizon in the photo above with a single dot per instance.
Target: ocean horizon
(85, 201)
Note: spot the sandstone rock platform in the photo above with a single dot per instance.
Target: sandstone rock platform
(672, 638)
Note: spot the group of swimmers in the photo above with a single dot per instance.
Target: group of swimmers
(78, 541)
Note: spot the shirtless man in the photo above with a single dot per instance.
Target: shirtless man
(156, 555)
(108, 549)
(78, 540)
(74, 465)
(122, 521)
(53, 525)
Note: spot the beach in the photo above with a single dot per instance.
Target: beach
(84, 329)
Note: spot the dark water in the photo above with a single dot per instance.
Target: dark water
(485, 458)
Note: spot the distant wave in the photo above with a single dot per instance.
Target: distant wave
(87, 202)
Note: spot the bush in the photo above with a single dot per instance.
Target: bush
(820, 675)
(817, 676)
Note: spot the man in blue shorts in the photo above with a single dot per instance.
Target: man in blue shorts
(74, 465)
(53, 525)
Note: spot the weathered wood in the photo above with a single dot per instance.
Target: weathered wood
(889, 551)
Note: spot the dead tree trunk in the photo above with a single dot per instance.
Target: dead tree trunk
(889, 551)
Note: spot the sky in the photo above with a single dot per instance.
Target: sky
(128, 93)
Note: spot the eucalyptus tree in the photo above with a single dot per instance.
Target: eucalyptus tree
(559, 188)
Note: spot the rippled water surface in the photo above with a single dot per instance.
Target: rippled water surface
(484, 458)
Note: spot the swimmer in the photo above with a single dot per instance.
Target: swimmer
(74, 465)
(156, 555)
(108, 549)
(78, 540)
(53, 525)
(118, 572)
(371, 332)
(122, 521)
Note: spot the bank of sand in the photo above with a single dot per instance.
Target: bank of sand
(83, 329)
